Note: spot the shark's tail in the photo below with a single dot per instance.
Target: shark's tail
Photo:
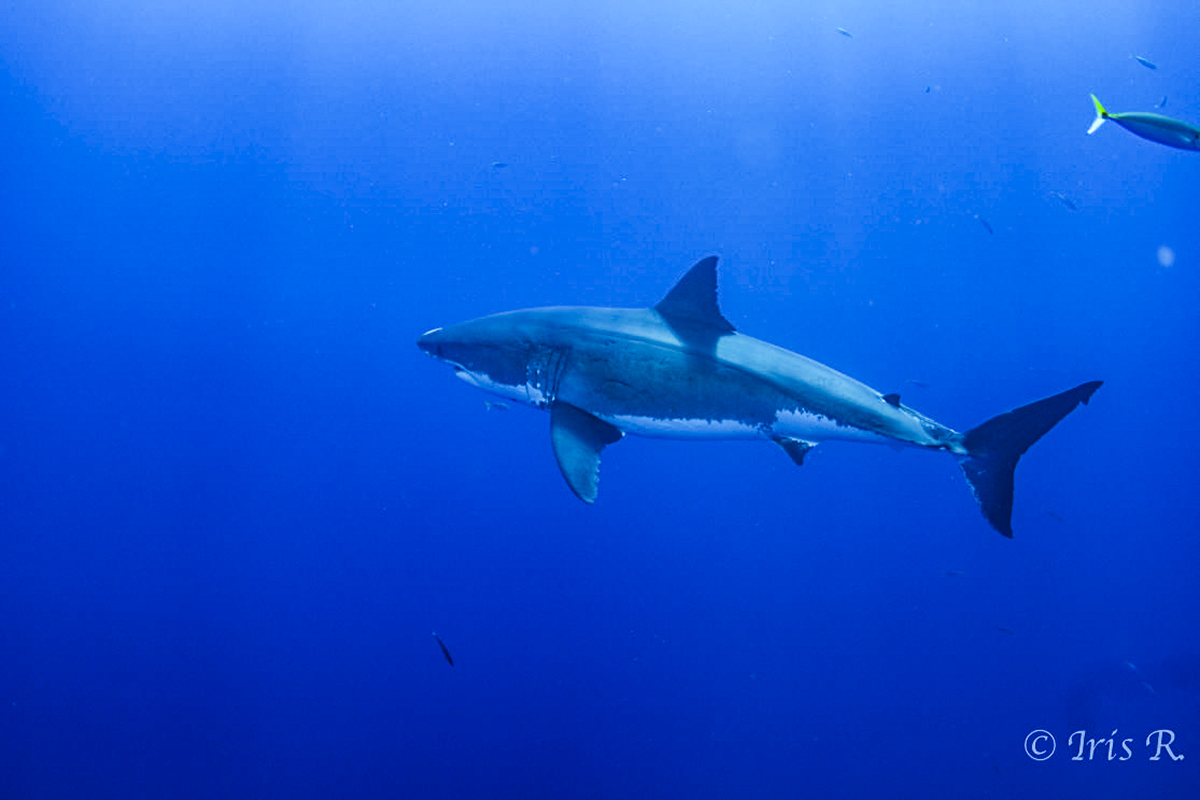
(1101, 115)
(992, 450)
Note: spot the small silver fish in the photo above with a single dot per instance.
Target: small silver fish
(1145, 62)
(845, 33)
(987, 226)
(1066, 201)
(1161, 103)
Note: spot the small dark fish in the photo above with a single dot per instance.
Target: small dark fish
(927, 88)
(954, 573)
(445, 652)
(498, 165)
(1161, 103)
(1145, 62)
(1003, 629)
(494, 406)
(1066, 201)
(917, 383)
(845, 33)
(987, 226)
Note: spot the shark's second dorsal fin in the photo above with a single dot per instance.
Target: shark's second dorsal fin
(578, 437)
(692, 303)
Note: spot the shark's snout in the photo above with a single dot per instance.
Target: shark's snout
(430, 342)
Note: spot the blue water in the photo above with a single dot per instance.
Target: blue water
(236, 499)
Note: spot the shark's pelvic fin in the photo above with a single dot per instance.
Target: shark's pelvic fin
(1101, 115)
(692, 303)
(578, 437)
(994, 447)
(796, 449)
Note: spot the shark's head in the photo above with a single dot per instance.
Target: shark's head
(491, 353)
(438, 343)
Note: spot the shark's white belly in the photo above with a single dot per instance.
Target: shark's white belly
(797, 424)
(788, 424)
(685, 428)
(818, 428)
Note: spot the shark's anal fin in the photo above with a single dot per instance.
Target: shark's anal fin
(795, 448)
(578, 437)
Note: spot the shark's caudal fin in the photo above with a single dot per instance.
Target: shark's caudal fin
(994, 447)
(1101, 115)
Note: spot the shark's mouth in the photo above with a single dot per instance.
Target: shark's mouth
(464, 374)
(519, 393)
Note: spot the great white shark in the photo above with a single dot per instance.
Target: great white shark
(681, 370)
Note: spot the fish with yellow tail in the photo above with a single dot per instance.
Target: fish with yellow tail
(1155, 127)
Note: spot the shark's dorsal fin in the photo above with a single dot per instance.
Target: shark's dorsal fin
(578, 437)
(892, 400)
(692, 303)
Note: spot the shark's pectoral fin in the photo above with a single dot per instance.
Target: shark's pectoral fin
(795, 448)
(578, 437)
